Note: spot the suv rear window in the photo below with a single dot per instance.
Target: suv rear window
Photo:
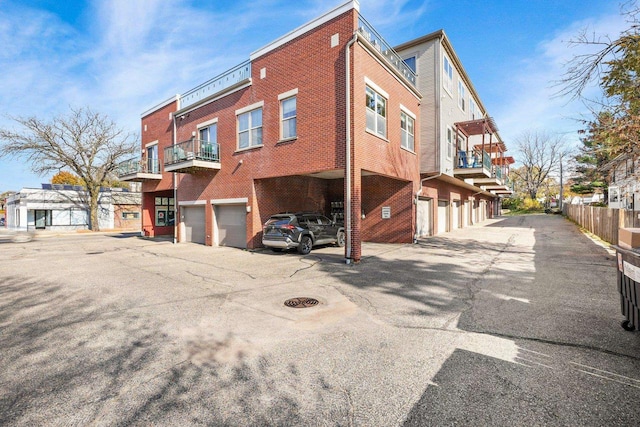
(278, 221)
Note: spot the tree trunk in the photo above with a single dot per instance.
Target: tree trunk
(94, 224)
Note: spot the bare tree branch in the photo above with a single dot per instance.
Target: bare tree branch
(86, 142)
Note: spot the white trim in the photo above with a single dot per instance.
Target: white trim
(207, 123)
(408, 112)
(238, 201)
(339, 10)
(160, 105)
(250, 108)
(192, 203)
(375, 87)
(151, 144)
(215, 97)
(288, 94)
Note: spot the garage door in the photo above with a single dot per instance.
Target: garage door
(442, 216)
(232, 225)
(465, 214)
(424, 218)
(194, 224)
(455, 214)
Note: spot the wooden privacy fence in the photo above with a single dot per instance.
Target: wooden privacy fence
(603, 222)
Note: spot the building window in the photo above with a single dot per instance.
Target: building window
(449, 143)
(462, 96)
(376, 113)
(250, 129)
(130, 215)
(407, 129)
(153, 166)
(411, 63)
(288, 112)
(209, 134)
(447, 81)
(165, 211)
(472, 109)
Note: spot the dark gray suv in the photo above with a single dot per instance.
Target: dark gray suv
(302, 230)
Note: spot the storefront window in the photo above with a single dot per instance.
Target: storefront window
(165, 211)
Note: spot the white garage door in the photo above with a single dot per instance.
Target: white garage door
(194, 224)
(442, 216)
(424, 218)
(455, 214)
(465, 214)
(232, 225)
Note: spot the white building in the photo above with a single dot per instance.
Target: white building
(60, 207)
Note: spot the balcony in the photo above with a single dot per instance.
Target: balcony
(472, 167)
(139, 170)
(229, 79)
(192, 156)
(494, 180)
(379, 44)
(505, 189)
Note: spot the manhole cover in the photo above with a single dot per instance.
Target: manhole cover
(301, 302)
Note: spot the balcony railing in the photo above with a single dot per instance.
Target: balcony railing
(372, 36)
(138, 165)
(498, 172)
(217, 84)
(193, 149)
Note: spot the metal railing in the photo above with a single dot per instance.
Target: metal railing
(193, 149)
(217, 84)
(372, 36)
(138, 165)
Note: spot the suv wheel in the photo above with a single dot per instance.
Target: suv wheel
(340, 239)
(305, 245)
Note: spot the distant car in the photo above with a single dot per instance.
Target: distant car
(302, 231)
(1, 222)
(15, 236)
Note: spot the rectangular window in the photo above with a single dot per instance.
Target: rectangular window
(207, 148)
(472, 109)
(250, 129)
(288, 111)
(447, 81)
(407, 125)
(165, 212)
(376, 112)
(130, 215)
(449, 143)
(153, 166)
(462, 96)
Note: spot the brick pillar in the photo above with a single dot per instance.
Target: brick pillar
(356, 212)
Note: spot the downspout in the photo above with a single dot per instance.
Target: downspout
(175, 189)
(347, 165)
(438, 67)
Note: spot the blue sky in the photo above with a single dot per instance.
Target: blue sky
(121, 57)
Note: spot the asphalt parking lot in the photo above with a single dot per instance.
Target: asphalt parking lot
(513, 323)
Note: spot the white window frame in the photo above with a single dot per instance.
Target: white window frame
(449, 143)
(447, 75)
(462, 95)
(283, 97)
(378, 95)
(248, 110)
(208, 125)
(405, 135)
(473, 109)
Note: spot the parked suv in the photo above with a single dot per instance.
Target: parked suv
(301, 230)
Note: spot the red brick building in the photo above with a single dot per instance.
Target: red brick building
(323, 119)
